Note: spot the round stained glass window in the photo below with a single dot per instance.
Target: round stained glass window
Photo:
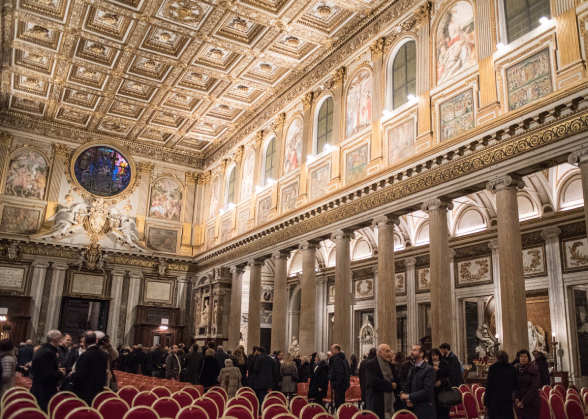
(102, 171)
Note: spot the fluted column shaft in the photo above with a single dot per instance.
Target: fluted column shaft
(280, 306)
(441, 315)
(512, 278)
(115, 307)
(342, 324)
(580, 158)
(386, 283)
(308, 307)
(253, 328)
(235, 309)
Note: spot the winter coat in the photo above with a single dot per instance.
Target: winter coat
(289, 378)
(304, 373)
(456, 375)
(276, 375)
(210, 372)
(543, 367)
(250, 370)
(403, 372)
(263, 372)
(363, 378)
(230, 380)
(220, 357)
(501, 384)
(8, 361)
(193, 365)
(173, 366)
(420, 387)
(528, 392)
(443, 375)
(90, 376)
(319, 382)
(377, 386)
(25, 354)
(138, 359)
(340, 372)
(242, 370)
(62, 353)
(46, 374)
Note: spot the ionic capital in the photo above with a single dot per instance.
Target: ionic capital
(310, 244)
(505, 182)
(551, 232)
(493, 244)
(239, 270)
(385, 220)
(256, 262)
(437, 204)
(409, 262)
(281, 254)
(578, 157)
(343, 234)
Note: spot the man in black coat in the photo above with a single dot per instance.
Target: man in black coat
(363, 380)
(45, 371)
(157, 359)
(173, 364)
(456, 377)
(419, 393)
(263, 371)
(220, 356)
(63, 350)
(382, 380)
(319, 380)
(277, 371)
(193, 365)
(25, 353)
(543, 367)
(138, 359)
(340, 375)
(91, 371)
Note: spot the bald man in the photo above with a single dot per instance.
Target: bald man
(382, 381)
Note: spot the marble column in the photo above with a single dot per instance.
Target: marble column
(386, 282)
(493, 246)
(580, 158)
(56, 292)
(254, 327)
(280, 305)
(308, 306)
(181, 298)
(235, 309)
(114, 314)
(136, 279)
(439, 252)
(37, 285)
(411, 304)
(557, 294)
(512, 279)
(342, 326)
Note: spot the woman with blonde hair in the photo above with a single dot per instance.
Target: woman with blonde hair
(239, 361)
(210, 370)
(290, 376)
(230, 378)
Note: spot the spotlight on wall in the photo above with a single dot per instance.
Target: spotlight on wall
(163, 327)
(500, 46)
(270, 181)
(544, 20)
(327, 148)
(257, 188)
(309, 158)
(411, 98)
(231, 206)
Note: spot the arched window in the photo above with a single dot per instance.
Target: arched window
(231, 186)
(324, 128)
(522, 16)
(404, 74)
(270, 161)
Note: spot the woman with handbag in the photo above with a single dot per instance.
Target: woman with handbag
(442, 384)
(289, 377)
(502, 383)
(230, 378)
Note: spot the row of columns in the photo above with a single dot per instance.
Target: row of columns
(510, 287)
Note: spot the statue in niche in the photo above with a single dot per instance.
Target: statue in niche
(294, 348)
(536, 338)
(204, 313)
(161, 267)
(488, 343)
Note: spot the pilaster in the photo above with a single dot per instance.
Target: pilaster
(307, 107)
(136, 279)
(338, 82)
(342, 334)
(115, 305)
(57, 282)
(279, 340)
(5, 140)
(37, 285)
(378, 87)
(235, 309)
(60, 155)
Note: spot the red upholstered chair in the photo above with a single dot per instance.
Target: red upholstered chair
(286, 416)
(193, 391)
(572, 390)
(545, 411)
(183, 398)
(161, 391)
(10, 408)
(113, 408)
(555, 393)
(239, 412)
(404, 414)
(18, 395)
(244, 390)
(574, 410)
(355, 394)
(270, 401)
(365, 414)
(218, 398)
(479, 395)
(556, 405)
(166, 407)
(311, 410)
(200, 388)
(464, 388)
(221, 391)
(474, 387)
(147, 386)
(141, 412)
(209, 407)
(29, 413)
(280, 395)
(144, 398)
(241, 401)
(324, 415)
(192, 412)
(128, 394)
(296, 405)
(274, 410)
(561, 390)
(84, 413)
(302, 389)
(573, 396)
(66, 406)
(100, 397)
(347, 410)
(58, 398)
(470, 405)
(252, 397)
(9, 393)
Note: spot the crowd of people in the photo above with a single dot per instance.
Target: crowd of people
(389, 381)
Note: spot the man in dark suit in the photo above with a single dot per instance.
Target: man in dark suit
(193, 365)
(382, 380)
(277, 371)
(263, 371)
(91, 371)
(456, 377)
(25, 353)
(363, 375)
(173, 365)
(220, 356)
(138, 358)
(340, 375)
(45, 371)
(419, 393)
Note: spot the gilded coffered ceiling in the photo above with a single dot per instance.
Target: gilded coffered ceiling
(181, 75)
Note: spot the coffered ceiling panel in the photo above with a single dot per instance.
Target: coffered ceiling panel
(183, 74)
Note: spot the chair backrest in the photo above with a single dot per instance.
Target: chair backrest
(347, 411)
(269, 401)
(279, 395)
(183, 398)
(252, 397)
(365, 414)
(311, 410)
(221, 391)
(218, 398)
(574, 410)
(9, 393)
(193, 391)
(244, 390)
(556, 405)
(323, 415)
(161, 391)
(29, 413)
(18, 395)
(556, 393)
(583, 390)
(545, 411)
(100, 397)
(241, 401)
(286, 416)
(404, 414)
(572, 390)
(274, 410)
(561, 390)
(574, 396)
(470, 405)
(239, 412)
(128, 394)
(141, 412)
(474, 387)
(144, 398)
(209, 407)
(10, 408)
(84, 413)
(166, 407)
(479, 394)
(113, 408)
(66, 406)
(58, 398)
(192, 412)
(464, 388)
(585, 399)
(296, 405)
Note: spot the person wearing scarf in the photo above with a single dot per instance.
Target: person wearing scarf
(527, 401)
